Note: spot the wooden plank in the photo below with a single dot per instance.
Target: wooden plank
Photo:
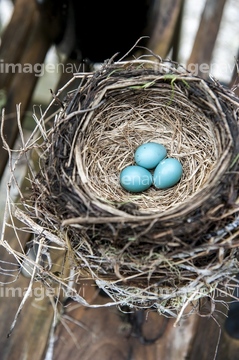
(211, 340)
(32, 327)
(106, 333)
(206, 340)
(30, 336)
(34, 322)
(206, 37)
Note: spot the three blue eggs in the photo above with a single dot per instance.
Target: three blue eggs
(148, 156)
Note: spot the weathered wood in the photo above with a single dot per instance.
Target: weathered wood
(13, 41)
(206, 339)
(164, 19)
(22, 83)
(105, 333)
(31, 333)
(34, 322)
(228, 349)
(211, 340)
(206, 37)
(29, 338)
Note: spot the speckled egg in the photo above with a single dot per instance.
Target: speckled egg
(167, 173)
(135, 178)
(149, 154)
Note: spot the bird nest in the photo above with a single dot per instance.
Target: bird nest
(162, 248)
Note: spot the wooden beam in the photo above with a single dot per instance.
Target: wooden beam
(164, 19)
(206, 37)
(14, 38)
(177, 33)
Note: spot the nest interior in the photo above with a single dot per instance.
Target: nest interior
(128, 120)
(136, 245)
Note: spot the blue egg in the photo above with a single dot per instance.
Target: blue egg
(149, 154)
(135, 178)
(167, 173)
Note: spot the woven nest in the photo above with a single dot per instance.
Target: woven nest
(158, 248)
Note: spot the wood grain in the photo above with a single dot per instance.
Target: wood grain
(107, 333)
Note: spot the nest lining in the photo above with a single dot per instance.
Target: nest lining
(124, 122)
(132, 245)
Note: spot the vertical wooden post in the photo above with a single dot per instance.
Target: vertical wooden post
(164, 19)
(206, 37)
(26, 50)
(14, 38)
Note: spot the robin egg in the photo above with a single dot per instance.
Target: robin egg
(135, 178)
(167, 173)
(149, 154)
